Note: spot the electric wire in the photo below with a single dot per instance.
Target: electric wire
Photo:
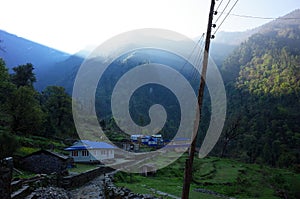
(259, 17)
(222, 11)
(219, 5)
(226, 16)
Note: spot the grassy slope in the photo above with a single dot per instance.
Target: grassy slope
(227, 177)
(31, 144)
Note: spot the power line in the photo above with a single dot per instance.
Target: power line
(226, 16)
(194, 71)
(198, 60)
(222, 11)
(219, 5)
(198, 43)
(259, 17)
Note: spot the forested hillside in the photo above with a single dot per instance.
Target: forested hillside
(262, 79)
(25, 112)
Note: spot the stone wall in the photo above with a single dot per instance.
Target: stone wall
(6, 168)
(113, 192)
(82, 178)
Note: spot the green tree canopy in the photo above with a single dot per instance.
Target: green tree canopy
(26, 111)
(23, 75)
(58, 106)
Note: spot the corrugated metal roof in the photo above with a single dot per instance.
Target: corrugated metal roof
(87, 144)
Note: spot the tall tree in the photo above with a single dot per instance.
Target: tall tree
(23, 75)
(27, 114)
(6, 91)
(57, 104)
(8, 142)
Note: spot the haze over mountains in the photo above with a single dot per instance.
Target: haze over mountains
(54, 67)
(261, 72)
(54, 63)
(17, 50)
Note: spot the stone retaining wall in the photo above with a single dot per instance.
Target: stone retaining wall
(6, 167)
(82, 178)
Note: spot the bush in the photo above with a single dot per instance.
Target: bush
(8, 144)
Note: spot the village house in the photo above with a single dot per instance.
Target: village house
(153, 140)
(90, 151)
(178, 144)
(46, 162)
(148, 169)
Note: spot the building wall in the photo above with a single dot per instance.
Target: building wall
(44, 163)
(81, 156)
(92, 155)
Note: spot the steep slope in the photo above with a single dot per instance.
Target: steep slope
(17, 51)
(263, 87)
(60, 74)
(236, 38)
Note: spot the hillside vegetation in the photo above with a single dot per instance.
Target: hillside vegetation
(26, 113)
(262, 78)
(221, 176)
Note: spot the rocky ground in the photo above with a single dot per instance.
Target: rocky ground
(91, 190)
(95, 189)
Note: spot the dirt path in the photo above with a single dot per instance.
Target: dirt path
(91, 190)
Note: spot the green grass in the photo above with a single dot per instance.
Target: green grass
(23, 174)
(80, 168)
(32, 144)
(228, 177)
(23, 151)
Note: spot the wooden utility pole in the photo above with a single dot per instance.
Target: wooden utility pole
(190, 160)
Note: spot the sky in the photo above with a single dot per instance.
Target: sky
(73, 25)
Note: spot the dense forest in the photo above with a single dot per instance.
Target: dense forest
(24, 111)
(262, 78)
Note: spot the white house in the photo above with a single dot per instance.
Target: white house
(91, 151)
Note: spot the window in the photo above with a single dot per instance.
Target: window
(74, 153)
(103, 152)
(85, 153)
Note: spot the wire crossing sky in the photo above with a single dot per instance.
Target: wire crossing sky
(72, 25)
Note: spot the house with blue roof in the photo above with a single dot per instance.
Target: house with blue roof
(91, 151)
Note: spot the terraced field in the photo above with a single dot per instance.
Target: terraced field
(215, 178)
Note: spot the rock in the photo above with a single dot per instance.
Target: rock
(50, 193)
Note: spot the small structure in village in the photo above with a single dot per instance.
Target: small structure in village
(87, 151)
(46, 162)
(152, 141)
(148, 169)
(180, 144)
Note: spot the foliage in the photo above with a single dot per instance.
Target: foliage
(23, 75)
(262, 80)
(224, 176)
(8, 144)
(26, 111)
(57, 104)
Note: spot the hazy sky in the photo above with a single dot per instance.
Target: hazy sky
(71, 25)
